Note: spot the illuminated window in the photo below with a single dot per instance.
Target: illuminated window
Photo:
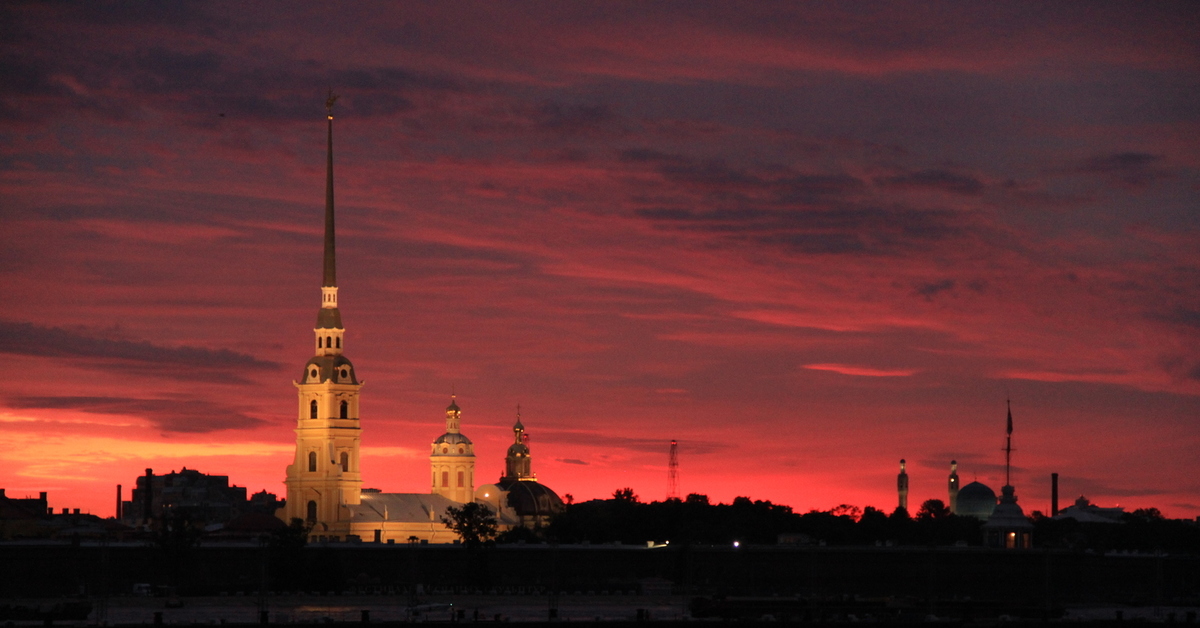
(345, 411)
(312, 511)
(345, 461)
(312, 409)
(445, 478)
(312, 461)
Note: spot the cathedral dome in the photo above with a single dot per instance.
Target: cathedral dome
(528, 498)
(518, 449)
(336, 368)
(452, 438)
(976, 500)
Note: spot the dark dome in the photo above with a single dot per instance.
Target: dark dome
(528, 498)
(329, 318)
(518, 449)
(976, 500)
(452, 439)
(330, 367)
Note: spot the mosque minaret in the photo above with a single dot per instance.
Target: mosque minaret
(324, 477)
(953, 487)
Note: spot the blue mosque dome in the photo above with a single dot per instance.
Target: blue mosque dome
(976, 500)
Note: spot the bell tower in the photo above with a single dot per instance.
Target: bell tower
(902, 486)
(324, 477)
(517, 462)
(452, 460)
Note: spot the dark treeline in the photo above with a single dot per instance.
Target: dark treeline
(695, 520)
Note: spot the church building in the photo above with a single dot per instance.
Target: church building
(324, 481)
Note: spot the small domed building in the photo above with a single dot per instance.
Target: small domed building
(452, 460)
(518, 497)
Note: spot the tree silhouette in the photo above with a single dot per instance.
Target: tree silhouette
(933, 509)
(625, 495)
(473, 523)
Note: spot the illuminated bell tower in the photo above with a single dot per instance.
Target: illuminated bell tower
(902, 486)
(452, 460)
(953, 482)
(324, 477)
(517, 462)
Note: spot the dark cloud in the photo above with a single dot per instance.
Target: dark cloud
(840, 230)
(1129, 169)
(934, 179)
(572, 118)
(90, 345)
(1180, 316)
(570, 461)
(195, 416)
(930, 290)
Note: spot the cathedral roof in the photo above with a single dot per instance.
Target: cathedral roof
(414, 507)
(518, 448)
(329, 318)
(530, 498)
(452, 438)
(330, 367)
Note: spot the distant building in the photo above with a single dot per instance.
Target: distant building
(518, 496)
(32, 518)
(188, 493)
(1084, 512)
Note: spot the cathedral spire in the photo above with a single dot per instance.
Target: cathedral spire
(329, 328)
(330, 278)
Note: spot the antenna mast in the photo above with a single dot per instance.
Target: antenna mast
(673, 472)
(1008, 448)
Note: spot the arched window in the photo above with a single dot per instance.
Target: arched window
(312, 409)
(312, 461)
(312, 511)
(446, 479)
(339, 343)
(460, 479)
(345, 461)
(345, 411)
(328, 341)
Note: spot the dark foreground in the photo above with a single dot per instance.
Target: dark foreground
(518, 610)
(366, 584)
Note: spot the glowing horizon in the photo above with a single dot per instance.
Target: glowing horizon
(803, 246)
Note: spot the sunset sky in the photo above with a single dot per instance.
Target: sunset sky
(806, 240)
